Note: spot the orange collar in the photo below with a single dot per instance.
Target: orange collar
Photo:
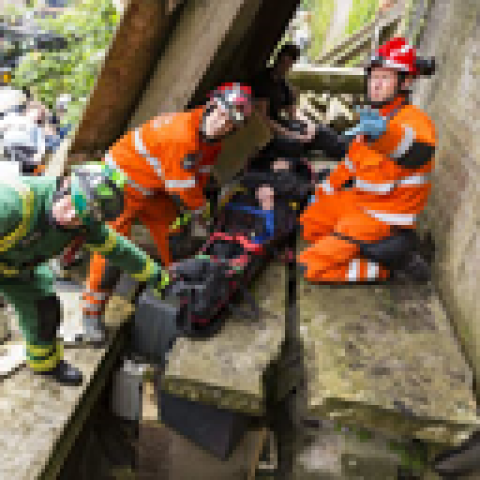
(391, 107)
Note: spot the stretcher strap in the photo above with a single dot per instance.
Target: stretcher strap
(241, 239)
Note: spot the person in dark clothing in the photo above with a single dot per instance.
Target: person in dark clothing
(276, 101)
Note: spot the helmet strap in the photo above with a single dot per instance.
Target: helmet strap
(399, 91)
(60, 190)
(202, 132)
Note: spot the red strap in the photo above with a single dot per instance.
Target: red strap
(241, 239)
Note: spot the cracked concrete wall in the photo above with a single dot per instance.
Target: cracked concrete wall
(452, 97)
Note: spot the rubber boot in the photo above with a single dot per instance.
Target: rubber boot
(65, 374)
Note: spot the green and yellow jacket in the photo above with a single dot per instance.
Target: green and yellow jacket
(29, 237)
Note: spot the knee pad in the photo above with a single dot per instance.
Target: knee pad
(49, 311)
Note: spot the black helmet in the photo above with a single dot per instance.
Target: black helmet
(97, 192)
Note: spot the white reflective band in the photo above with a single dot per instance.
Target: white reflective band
(327, 187)
(384, 188)
(381, 188)
(406, 143)
(372, 270)
(353, 270)
(399, 51)
(111, 163)
(95, 307)
(393, 218)
(96, 295)
(205, 169)
(349, 164)
(392, 64)
(415, 180)
(174, 184)
(142, 150)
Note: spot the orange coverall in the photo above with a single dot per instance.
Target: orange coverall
(391, 186)
(167, 165)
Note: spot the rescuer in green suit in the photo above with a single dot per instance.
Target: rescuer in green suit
(39, 217)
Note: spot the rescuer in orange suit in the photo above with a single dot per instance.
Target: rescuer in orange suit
(167, 162)
(388, 165)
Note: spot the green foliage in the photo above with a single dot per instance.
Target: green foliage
(322, 14)
(308, 4)
(88, 27)
(413, 457)
(363, 11)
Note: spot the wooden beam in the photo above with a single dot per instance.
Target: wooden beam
(127, 67)
(191, 49)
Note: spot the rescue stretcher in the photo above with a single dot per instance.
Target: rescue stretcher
(243, 239)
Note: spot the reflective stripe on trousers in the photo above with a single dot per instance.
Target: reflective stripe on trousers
(354, 273)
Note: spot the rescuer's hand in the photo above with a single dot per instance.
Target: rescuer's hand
(180, 222)
(371, 123)
(160, 282)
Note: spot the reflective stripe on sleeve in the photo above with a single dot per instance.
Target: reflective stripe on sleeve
(142, 150)
(405, 144)
(415, 180)
(176, 184)
(381, 188)
(327, 188)
(111, 163)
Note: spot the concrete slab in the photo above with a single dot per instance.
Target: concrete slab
(228, 369)
(41, 420)
(384, 357)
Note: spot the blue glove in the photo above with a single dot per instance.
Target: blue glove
(371, 123)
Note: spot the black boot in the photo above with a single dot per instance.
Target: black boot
(65, 374)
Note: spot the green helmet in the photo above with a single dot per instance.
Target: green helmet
(97, 192)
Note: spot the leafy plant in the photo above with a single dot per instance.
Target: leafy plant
(88, 28)
(322, 14)
(362, 12)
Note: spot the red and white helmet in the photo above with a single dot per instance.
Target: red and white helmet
(236, 98)
(396, 54)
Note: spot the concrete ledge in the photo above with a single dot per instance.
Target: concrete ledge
(384, 357)
(228, 369)
(41, 420)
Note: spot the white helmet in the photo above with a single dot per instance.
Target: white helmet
(10, 99)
